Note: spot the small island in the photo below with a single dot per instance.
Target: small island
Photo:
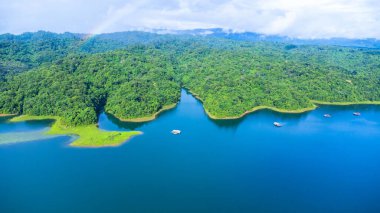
(88, 135)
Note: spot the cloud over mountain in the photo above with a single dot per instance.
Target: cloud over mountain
(305, 19)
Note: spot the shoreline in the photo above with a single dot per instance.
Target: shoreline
(148, 118)
(7, 115)
(298, 111)
(346, 103)
(258, 108)
(87, 136)
(65, 130)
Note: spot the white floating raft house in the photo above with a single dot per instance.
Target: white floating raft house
(276, 124)
(176, 131)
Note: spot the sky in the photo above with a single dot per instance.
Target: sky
(293, 18)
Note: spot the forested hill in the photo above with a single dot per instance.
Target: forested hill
(133, 75)
(132, 83)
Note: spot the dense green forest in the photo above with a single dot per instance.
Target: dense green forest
(232, 81)
(136, 82)
(133, 75)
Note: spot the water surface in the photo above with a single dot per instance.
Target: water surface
(312, 164)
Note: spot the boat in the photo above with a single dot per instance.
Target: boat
(356, 113)
(176, 131)
(276, 124)
(327, 115)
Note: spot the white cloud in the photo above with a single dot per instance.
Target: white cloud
(295, 18)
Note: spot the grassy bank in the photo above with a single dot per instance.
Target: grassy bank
(297, 111)
(291, 111)
(346, 103)
(88, 135)
(148, 118)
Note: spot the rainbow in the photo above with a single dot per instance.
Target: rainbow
(113, 17)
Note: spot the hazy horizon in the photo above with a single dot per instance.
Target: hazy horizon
(312, 19)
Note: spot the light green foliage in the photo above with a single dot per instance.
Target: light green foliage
(62, 75)
(88, 135)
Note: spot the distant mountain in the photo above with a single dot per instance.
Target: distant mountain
(254, 37)
(138, 37)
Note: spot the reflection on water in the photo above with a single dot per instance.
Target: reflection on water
(24, 126)
(189, 109)
(5, 118)
(278, 117)
(106, 118)
(312, 164)
(190, 115)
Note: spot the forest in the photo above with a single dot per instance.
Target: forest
(133, 75)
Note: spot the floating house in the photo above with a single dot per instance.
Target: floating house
(176, 131)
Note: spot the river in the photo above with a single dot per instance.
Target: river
(311, 164)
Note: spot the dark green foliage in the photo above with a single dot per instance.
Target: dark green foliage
(29, 50)
(232, 81)
(133, 83)
(135, 75)
(290, 46)
(49, 91)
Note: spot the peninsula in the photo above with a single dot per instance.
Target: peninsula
(135, 79)
(88, 135)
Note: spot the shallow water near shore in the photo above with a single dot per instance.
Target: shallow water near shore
(311, 164)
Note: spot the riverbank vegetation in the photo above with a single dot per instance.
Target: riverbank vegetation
(231, 81)
(134, 77)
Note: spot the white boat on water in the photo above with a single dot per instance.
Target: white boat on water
(176, 131)
(276, 124)
(327, 115)
(357, 113)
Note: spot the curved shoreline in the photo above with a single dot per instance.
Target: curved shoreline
(298, 111)
(88, 136)
(66, 130)
(257, 108)
(148, 118)
(346, 103)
